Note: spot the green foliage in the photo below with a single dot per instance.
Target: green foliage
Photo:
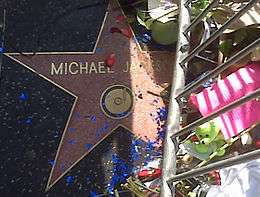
(144, 20)
(199, 6)
(210, 138)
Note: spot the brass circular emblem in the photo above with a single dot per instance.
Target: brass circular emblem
(117, 101)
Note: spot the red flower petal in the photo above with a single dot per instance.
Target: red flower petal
(115, 30)
(120, 18)
(126, 32)
(111, 60)
(257, 144)
(194, 138)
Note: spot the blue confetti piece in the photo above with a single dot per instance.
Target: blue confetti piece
(88, 146)
(207, 83)
(62, 167)
(52, 162)
(24, 96)
(93, 194)
(122, 114)
(72, 141)
(120, 173)
(56, 134)
(106, 126)
(101, 130)
(93, 118)
(160, 134)
(71, 129)
(1, 49)
(99, 50)
(162, 114)
(28, 120)
(69, 179)
(88, 179)
(78, 115)
(147, 37)
(143, 40)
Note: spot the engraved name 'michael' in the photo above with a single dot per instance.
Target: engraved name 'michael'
(74, 68)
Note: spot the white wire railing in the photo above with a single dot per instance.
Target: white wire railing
(178, 91)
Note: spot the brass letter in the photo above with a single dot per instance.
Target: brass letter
(83, 67)
(101, 67)
(109, 70)
(65, 68)
(92, 68)
(56, 71)
(70, 70)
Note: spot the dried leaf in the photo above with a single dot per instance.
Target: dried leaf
(226, 11)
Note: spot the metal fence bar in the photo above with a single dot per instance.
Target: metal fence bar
(198, 19)
(206, 59)
(217, 165)
(188, 89)
(173, 122)
(182, 58)
(188, 2)
(217, 33)
(215, 114)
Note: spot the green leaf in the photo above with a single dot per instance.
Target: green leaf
(148, 23)
(142, 20)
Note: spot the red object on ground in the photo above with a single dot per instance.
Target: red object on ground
(194, 138)
(257, 143)
(215, 176)
(120, 18)
(126, 32)
(111, 60)
(153, 173)
(115, 30)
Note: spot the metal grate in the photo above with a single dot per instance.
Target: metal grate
(179, 91)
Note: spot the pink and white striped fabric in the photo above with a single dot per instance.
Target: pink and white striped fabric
(231, 88)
